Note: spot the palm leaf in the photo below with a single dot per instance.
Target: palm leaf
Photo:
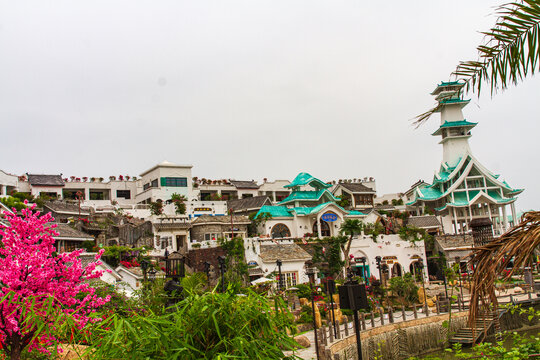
(509, 53)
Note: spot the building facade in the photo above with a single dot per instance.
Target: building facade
(462, 189)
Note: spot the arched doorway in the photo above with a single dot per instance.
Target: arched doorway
(280, 231)
(416, 269)
(397, 270)
(325, 228)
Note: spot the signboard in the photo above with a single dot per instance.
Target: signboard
(202, 209)
(252, 263)
(329, 217)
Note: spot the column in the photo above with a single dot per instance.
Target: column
(514, 217)
(505, 218)
(353, 201)
(3, 190)
(319, 234)
(274, 196)
(455, 220)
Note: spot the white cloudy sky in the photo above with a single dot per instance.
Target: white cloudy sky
(249, 89)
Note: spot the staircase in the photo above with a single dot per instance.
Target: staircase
(475, 334)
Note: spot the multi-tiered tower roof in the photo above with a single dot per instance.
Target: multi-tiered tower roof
(462, 188)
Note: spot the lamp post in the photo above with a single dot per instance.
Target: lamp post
(311, 274)
(207, 271)
(378, 260)
(279, 263)
(221, 261)
(353, 296)
(144, 268)
(421, 266)
(152, 274)
(331, 287)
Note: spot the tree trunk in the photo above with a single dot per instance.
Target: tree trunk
(15, 350)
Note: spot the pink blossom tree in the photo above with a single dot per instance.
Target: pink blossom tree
(38, 286)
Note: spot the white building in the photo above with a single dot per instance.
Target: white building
(397, 256)
(463, 189)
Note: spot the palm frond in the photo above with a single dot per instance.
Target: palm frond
(509, 53)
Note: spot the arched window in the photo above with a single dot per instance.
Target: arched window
(325, 229)
(280, 231)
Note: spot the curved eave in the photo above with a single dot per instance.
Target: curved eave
(293, 199)
(450, 126)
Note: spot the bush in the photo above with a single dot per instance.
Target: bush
(208, 326)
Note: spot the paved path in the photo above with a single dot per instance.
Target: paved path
(310, 354)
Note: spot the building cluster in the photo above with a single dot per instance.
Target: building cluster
(276, 217)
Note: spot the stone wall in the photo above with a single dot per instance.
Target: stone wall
(197, 257)
(198, 231)
(401, 340)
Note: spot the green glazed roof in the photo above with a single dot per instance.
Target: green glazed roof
(307, 179)
(454, 101)
(354, 212)
(275, 211)
(307, 196)
(452, 124)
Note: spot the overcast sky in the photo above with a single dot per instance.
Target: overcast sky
(250, 89)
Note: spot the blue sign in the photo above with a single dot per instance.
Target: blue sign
(329, 217)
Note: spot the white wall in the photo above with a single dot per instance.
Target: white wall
(387, 245)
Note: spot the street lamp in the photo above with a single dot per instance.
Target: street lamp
(144, 267)
(280, 284)
(221, 261)
(207, 271)
(152, 274)
(311, 275)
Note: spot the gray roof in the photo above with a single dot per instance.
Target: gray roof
(244, 184)
(283, 252)
(45, 180)
(385, 207)
(62, 207)
(66, 231)
(209, 219)
(250, 203)
(357, 188)
(172, 226)
(424, 222)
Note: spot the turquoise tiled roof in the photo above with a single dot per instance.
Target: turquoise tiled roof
(354, 212)
(307, 196)
(283, 211)
(450, 83)
(430, 193)
(307, 179)
(454, 101)
(275, 211)
(452, 124)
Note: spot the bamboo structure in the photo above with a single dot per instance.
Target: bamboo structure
(491, 259)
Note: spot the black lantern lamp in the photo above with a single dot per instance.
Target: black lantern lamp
(280, 280)
(144, 268)
(222, 268)
(152, 274)
(458, 262)
(207, 271)
(353, 296)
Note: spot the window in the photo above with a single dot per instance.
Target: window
(126, 194)
(173, 181)
(146, 186)
(280, 231)
(166, 241)
(210, 236)
(154, 183)
(290, 279)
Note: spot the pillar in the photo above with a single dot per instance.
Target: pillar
(455, 220)
(274, 196)
(319, 233)
(514, 217)
(505, 218)
(3, 189)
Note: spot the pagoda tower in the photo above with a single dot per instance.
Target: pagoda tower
(462, 189)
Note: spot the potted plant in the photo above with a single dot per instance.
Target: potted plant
(72, 178)
(92, 179)
(134, 178)
(121, 177)
(101, 179)
(112, 178)
(128, 177)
